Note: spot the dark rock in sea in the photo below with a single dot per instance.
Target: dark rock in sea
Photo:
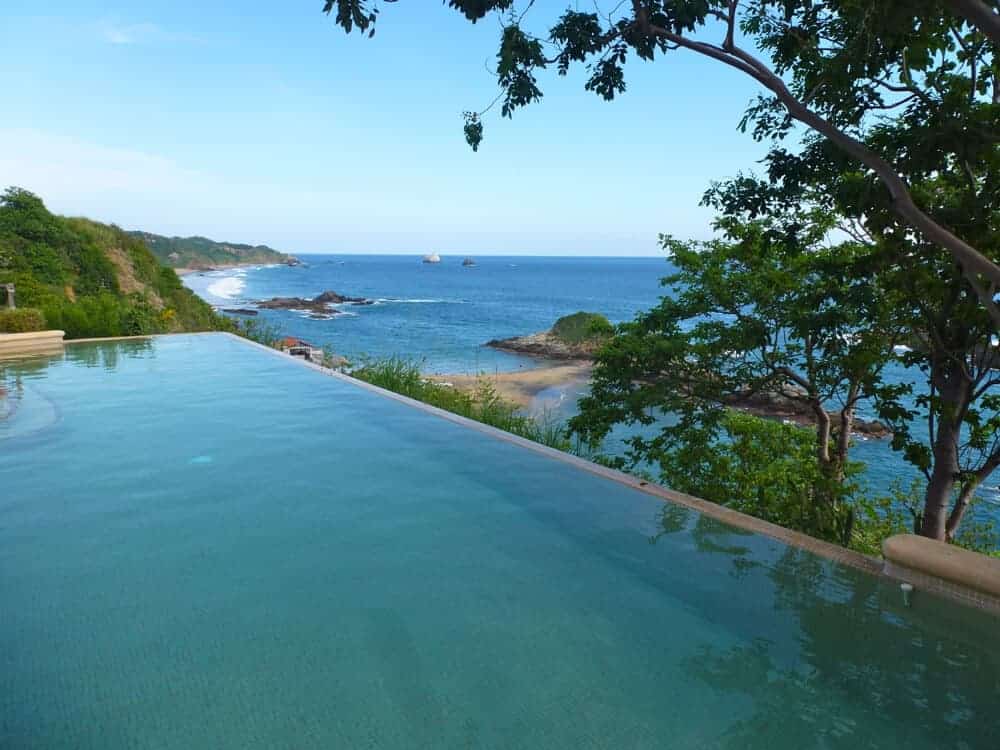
(872, 429)
(336, 299)
(318, 304)
(791, 406)
(239, 311)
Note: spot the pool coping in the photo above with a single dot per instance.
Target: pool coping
(876, 567)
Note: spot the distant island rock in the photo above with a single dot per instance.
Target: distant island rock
(318, 305)
(203, 254)
(576, 336)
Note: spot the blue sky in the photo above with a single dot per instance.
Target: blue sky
(262, 122)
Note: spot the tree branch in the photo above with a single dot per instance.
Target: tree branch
(971, 261)
(980, 15)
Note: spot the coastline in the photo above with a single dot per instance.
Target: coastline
(224, 267)
(523, 387)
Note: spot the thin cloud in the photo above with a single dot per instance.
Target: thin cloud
(142, 33)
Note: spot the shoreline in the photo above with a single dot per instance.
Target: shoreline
(224, 267)
(523, 387)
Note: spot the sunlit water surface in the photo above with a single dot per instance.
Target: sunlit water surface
(205, 545)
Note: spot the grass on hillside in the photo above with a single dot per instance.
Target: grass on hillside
(91, 279)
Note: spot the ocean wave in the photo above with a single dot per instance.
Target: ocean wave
(399, 300)
(227, 287)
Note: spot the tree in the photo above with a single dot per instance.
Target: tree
(945, 147)
(956, 404)
(768, 318)
(833, 67)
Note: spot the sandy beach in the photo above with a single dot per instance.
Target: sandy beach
(220, 267)
(524, 386)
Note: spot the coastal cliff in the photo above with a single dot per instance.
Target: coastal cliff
(90, 279)
(201, 253)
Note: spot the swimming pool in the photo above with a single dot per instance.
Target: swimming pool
(204, 545)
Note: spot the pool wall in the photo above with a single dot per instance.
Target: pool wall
(921, 580)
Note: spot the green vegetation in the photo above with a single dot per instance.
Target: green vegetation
(403, 376)
(91, 279)
(200, 252)
(582, 327)
(21, 320)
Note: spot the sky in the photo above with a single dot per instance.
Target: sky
(262, 122)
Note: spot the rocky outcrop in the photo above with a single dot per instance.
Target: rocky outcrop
(545, 345)
(774, 405)
(319, 305)
(576, 336)
(872, 429)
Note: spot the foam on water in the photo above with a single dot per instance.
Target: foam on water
(396, 300)
(228, 287)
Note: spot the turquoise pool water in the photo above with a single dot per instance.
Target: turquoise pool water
(203, 545)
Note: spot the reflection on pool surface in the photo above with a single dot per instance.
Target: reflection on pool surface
(208, 546)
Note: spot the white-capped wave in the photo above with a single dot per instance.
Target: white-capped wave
(228, 287)
(399, 300)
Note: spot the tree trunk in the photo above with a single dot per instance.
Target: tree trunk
(937, 499)
(953, 392)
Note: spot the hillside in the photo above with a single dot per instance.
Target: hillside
(90, 279)
(201, 252)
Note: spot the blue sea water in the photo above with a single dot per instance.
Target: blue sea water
(443, 314)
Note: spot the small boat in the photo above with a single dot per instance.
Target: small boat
(432, 258)
(468, 262)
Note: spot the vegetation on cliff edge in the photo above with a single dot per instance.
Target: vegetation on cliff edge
(90, 279)
(201, 252)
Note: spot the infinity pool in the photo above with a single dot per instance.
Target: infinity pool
(205, 545)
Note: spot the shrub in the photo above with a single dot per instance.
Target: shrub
(21, 320)
(582, 326)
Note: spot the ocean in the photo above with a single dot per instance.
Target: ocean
(443, 314)
(440, 313)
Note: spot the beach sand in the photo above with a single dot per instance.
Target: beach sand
(223, 267)
(524, 386)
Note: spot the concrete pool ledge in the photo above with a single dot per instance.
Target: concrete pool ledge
(27, 344)
(929, 581)
(916, 559)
